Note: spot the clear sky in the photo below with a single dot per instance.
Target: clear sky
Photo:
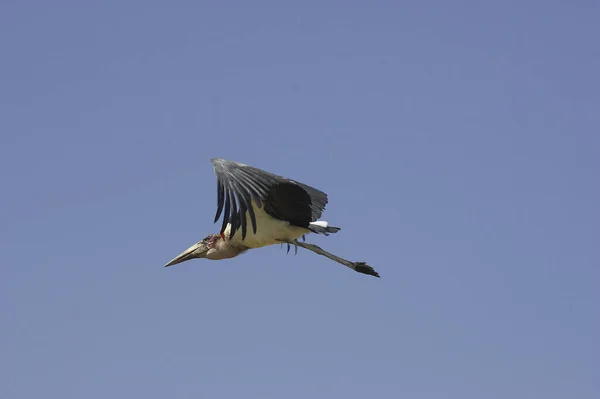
(458, 143)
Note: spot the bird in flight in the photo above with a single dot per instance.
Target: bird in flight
(261, 209)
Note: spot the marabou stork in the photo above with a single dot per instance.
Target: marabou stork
(278, 210)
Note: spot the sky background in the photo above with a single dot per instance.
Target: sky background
(458, 143)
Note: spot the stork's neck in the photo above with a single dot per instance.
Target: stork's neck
(237, 238)
(224, 249)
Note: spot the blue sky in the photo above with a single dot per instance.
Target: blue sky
(458, 143)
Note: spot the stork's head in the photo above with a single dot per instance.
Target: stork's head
(211, 247)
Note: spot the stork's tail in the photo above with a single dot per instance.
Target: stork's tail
(322, 227)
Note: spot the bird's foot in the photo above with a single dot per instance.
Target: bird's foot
(362, 267)
(288, 247)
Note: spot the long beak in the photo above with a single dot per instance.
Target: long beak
(197, 250)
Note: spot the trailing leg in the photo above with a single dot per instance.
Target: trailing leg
(360, 267)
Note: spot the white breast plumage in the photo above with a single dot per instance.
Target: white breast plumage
(269, 231)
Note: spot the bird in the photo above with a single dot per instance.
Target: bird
(260, 209)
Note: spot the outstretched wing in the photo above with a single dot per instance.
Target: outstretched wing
(285, 199)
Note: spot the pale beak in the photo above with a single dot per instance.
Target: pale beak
(197, 250)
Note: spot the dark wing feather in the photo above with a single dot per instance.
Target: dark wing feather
(283, 198)
(288, 201)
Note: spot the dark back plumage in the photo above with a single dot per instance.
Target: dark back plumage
(283, 198)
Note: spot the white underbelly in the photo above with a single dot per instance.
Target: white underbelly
(269, 231)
